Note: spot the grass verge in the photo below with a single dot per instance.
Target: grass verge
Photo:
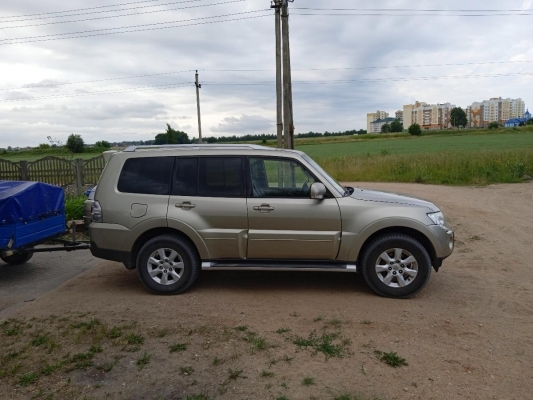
(453, 168)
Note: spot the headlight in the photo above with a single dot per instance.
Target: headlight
(438, 219)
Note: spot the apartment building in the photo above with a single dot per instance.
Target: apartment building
(428, 116)
(371, 117)
(496, 109)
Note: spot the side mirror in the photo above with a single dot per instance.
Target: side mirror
(318, 191)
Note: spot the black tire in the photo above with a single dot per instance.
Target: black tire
(17, 259)
(372, 255)
(186, 252)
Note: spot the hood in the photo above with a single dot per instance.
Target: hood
(391, 198)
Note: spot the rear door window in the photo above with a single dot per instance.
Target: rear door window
(185, 177)
(146, 175)
(220, 177)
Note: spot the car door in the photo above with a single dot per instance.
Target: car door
(283, 222)
(208, 199)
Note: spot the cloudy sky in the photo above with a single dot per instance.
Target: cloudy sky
(62, 72)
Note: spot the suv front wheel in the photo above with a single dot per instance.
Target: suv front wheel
(167, 264)
(396, 265)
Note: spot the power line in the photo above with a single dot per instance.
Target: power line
(96, 80)
(399, 79)
(262, 70)
(122, 15)
(90, 8)
(375, 67)
(345, 81)
(407, 15)
(131, 26)
(136, 89)
(408, 9)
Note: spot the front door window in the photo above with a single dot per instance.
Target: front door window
(279, 178)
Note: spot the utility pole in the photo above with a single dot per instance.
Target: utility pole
(288, 123)
(198, 86)
(276, 5)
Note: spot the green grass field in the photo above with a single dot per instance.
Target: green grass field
(424, 144)
(36, 154)
(463, 157)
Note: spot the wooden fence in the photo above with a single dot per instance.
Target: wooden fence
(58, 171)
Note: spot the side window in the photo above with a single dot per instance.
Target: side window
(279, 178)
(185, 177)
(220, 177)
(147, 175)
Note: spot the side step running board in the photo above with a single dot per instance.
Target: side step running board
(248, 266)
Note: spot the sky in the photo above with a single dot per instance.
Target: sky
(62, 72)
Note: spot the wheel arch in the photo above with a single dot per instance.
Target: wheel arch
(151, 233)
(414, 233)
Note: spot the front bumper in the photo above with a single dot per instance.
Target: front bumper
(444, 245)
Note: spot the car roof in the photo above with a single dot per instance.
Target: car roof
(206, 148)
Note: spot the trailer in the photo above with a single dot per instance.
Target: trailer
(32, 213)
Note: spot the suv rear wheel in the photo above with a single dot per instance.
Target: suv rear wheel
(168, 264)
(396, 265)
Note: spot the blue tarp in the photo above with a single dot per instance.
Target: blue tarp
(29, 201)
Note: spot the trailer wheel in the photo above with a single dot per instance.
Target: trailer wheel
(17, 259)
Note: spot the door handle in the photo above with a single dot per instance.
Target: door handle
(264, 208)
(186, 205)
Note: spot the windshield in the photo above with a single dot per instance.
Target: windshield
(324, 174)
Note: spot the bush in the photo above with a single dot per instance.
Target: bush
(530, 122)
(74, 208)
(44, 146)
(494, 125)
(103, 143)
(75, 143)
(385, 128)
(415, 130)
(396, 126)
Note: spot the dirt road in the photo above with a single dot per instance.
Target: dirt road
(468, 335)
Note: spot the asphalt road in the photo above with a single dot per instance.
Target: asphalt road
(43, 273)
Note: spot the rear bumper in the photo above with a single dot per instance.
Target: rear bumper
(108, 254)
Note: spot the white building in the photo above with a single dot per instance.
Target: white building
(371, 117)
(375, 126)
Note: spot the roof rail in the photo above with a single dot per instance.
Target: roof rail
(198, 146)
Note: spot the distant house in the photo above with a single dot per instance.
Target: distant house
(518, 121)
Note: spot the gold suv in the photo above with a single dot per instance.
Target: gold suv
(170, 211)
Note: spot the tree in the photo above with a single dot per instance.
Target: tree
(75, 143)
(529, 122)
(493, 125)
(396, 126)
(385, 128)
(458, 117)
(103, 143)
(415, 130)
(172, 136)
(44, 146)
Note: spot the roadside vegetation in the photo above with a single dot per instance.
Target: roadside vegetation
(80, 356)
